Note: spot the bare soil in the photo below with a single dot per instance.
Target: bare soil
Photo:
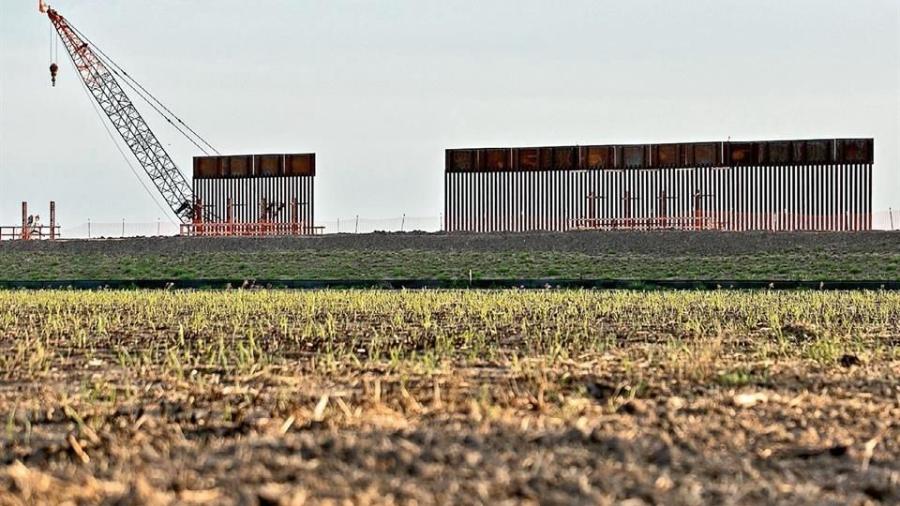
(127, 398)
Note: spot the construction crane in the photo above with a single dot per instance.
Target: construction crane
(98, 72)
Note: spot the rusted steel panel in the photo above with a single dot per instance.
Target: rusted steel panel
(237, 166)
(634, 157)
(528, 159)
(598, 157)
(461, 160)
(779, 152)
(268, 165)
(300, 165)
(206, 167)
(248, 166)
(494, 160)
(760, 153)
(819, 151)
(670, 155)
(741, 153)
(798, 153)
(686, 155)
(708, 154)
(547, 158)
(855, 151)
(666, 155)
(565, 158)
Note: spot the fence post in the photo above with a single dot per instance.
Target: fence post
(89, 228)
(229, 216)
(52, 220)
(25, 221)
(123, 227)
(356, 228)
(403, 222)
(891, 215)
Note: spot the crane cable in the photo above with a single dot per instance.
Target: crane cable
(110, 65)
(52, 40)
(152, 101)
(124, 156)
(141, 91)
(161, 113)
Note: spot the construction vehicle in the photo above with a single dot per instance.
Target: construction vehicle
(99, 74)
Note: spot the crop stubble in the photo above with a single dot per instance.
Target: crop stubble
(449, 397)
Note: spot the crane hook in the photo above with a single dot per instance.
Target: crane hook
(54, 68)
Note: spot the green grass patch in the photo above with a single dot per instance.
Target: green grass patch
(426, 264)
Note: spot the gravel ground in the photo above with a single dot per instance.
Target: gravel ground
(649, 243)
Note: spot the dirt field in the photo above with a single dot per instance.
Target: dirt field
(585, 255)
(557, 397)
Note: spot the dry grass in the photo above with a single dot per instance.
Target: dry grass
(443, 396)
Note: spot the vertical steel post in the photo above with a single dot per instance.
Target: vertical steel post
(52, 220)
(662, 214)
(229, 216)
(198, 217)
(697, 213)
(446, 215)
(869, 197)
(264, 215)
(25, 232)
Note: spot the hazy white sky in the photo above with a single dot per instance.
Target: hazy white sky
(378, 89)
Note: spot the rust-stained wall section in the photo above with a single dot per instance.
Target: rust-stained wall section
(260, 188)
(818, 184)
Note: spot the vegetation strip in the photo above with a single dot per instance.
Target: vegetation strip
(453, 265)
(871, 256)
(409, 284)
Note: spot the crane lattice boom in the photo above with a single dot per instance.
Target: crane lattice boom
(126, 119)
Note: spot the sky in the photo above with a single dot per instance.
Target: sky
(379, 89)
